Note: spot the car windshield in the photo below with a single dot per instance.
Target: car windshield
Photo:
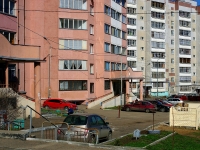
(76, 120)
(64, 101)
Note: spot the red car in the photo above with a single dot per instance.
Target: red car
(56, 103)
(140, 106)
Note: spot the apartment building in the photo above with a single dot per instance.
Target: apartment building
(162, 42)
(82, 48)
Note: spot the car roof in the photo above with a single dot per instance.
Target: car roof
(55, 99)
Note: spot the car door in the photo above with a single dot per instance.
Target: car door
(135, 106)
(57, 104)
(104, 130)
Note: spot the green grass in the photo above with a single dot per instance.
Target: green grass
(180, 142)
(141, 142)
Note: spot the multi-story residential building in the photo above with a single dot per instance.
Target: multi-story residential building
(82, 48)
(162, 35)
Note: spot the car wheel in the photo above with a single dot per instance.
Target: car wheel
(66, 108)
(162, 109)
(109, 136)
(46, 107)
(92, 139)
(147, 110)
(127, 109)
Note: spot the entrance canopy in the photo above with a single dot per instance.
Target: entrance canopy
(18, 53)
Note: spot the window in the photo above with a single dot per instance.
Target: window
(141, 17)
(158, 64)
(131, 21)
(142, 7)
(72, 85)
(172, 51)
(123, 19)
(194, 73)
(157, 5)
(142, 48)
(157, 15)
(158, 84)
(10, 36)
(131, 64)
(158, 75)
(185, 42)
(141, 38)
(157, 25)
(172, 23)
(193, 47)
(185, 33)
(185, 60)
(123, 35)
(72, 65)
(172, 60)
(184, 14)
(115, 49)
(184, 51)
(185, 78)
(106, 47)
(131, 10)
(193, 38)
(131, 53)
(185, 70)
(91, 49)
(132, 32)
(157, 44)
(91, 87)
(194, 65)
(142, 58)
(172, 79)
(185, 88)
(172, 42)
(141, 28)
(107, 29)
(193, 29)
(91, 10)
(172, 70)
(131, 42)
(142, 68)
(107, 10)
(107, 84)
(157, 35)
(74, 4)
(184, 23)
(7, 6)
(193, 55)
(159, 55)
(172, 32)
(91, 29)
(73, 44)
(132, 85)
(66, 23)
(172, 14)
(107, 66)
(193, 20)
(91, 68)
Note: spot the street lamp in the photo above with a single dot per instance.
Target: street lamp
(49, 70)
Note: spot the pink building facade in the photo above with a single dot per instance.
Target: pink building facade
(82, 45)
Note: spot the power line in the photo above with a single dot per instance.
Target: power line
(83, 11)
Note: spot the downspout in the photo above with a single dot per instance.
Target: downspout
(24, 41)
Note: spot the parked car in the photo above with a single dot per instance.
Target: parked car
(182, 97)
(165, 102)
(174, 101)
(83, 126)
(160, 106)
(139, 106)
(56, 103)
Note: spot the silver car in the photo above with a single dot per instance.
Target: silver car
(84, 127)
(174, 101)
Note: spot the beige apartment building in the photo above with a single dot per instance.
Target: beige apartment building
(163, 42)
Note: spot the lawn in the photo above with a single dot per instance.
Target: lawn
(141, 142)
(180, 142)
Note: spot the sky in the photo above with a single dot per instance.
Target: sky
(198, 1)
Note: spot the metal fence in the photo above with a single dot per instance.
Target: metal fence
(69, 133)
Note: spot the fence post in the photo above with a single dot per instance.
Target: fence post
(56, 133)
(197, 120)
(30, 122)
